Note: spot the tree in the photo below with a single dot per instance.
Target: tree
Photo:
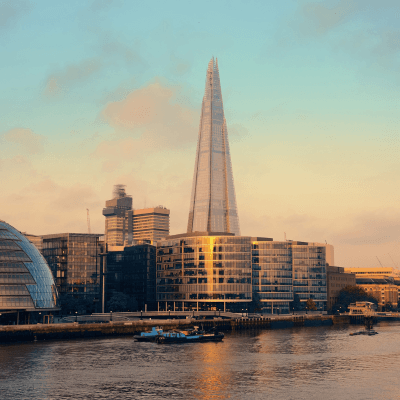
(255, 305)
(351, 294)
(389, 306)
(121, 302)
(295, 305)
(310, 305)
(79, 304)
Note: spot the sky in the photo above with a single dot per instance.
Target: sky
(104, 92)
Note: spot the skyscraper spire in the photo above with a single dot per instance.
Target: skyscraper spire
(213, 202)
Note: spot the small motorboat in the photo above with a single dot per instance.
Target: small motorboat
(151, 336)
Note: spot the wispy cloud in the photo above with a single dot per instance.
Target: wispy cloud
(59, 82)
(21, 140)
(148, 119)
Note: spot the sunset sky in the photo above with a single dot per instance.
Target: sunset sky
(97, 93)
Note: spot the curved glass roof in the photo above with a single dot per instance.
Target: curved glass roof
(26, 282)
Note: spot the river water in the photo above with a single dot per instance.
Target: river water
(300, 363)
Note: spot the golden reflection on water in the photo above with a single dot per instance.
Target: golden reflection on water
(212, 381)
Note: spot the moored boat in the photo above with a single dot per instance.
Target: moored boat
(193, 337)
(151, 336)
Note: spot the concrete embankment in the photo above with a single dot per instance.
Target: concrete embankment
(16, 333)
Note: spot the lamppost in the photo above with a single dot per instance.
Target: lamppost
(76, 316)
(110, 316)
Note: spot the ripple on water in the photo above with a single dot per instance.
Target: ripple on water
(298, 363)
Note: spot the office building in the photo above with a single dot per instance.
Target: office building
(213, 201)
(336, 280)
(150, 224)
(26, 282)
(75, 263)
(204, 271)
(118, 213)
(220, 271)
(132, 272)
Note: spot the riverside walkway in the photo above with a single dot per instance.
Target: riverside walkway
(120, 324)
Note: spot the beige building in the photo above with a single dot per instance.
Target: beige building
(372, 272)
(379, 282)
(150, 224)
(337, 279)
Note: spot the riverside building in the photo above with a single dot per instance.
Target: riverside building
(26, 283)
(219, 271)
(132, 271)
(75, 263)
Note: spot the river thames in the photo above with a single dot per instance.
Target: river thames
(298, 363)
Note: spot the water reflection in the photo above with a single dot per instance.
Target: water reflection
(299, 363)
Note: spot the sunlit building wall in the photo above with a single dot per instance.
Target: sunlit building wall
(204, 271)
(151, 224)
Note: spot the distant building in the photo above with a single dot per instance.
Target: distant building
(384, 290)
(75, 263)
(220, 271)
(372, 272)
(281, 269)
(125, 226)
(132, 271)
(35, 239)
(382, 283)
(26, 283)
(150, 224)
(118, 213)
(336, 280)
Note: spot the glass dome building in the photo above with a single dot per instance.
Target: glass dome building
(26, 282)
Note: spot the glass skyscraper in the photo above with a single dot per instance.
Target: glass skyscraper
(213, 202)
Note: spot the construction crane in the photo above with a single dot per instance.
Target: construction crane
(88, 220)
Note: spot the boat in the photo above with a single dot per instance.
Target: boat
(189, 337)
(369, 332)
(151, 336)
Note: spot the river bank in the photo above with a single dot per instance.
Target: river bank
(17, 333)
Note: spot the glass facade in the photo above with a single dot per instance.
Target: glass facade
(26, 281)
(272, 275)
(229, 272)
(309, 273)
(213, 202)
(203, 272)
(133, 272)
(75, 263)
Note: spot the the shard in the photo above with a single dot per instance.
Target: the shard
(213, 202)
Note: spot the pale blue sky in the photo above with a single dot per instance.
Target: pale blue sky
(310, 91)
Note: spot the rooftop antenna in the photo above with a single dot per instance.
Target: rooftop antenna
(88, 220)
(379, 261)
(284, 235)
